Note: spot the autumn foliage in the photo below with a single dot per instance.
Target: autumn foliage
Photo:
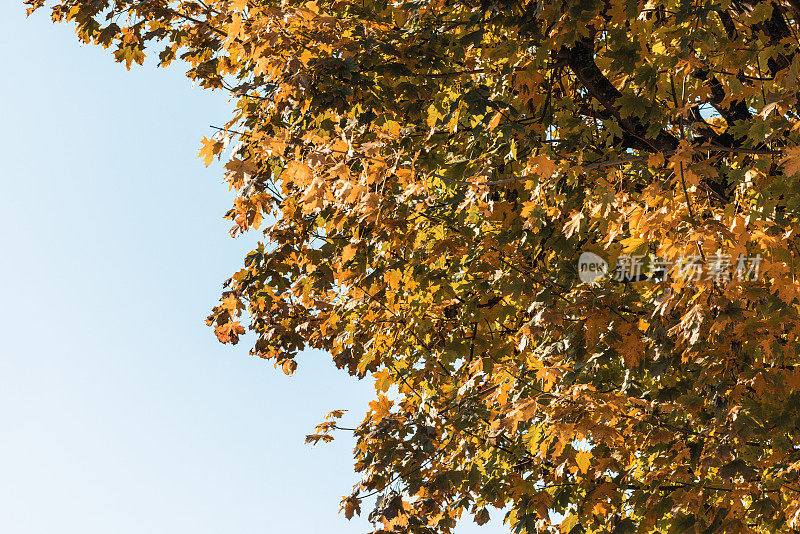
(426, 173)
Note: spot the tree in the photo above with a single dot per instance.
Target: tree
(426, 174)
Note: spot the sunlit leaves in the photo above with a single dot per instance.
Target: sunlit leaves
(425, 176)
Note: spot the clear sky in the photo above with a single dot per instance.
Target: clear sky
(120, 411)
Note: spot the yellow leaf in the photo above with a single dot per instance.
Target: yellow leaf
(394, 277)
(235, 27)
(348, 253)
(495, 120)
(583, 459)
(569, 523)
(433, 116)
(335, 414)
(633, 244)
(209, 150)
(306, 56)
(380, 408)
(393, 128)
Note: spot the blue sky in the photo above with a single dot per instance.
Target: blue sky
(120, 411)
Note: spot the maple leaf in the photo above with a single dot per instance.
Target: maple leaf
(209, 149)
(583, 459)
(349, 252)
(314, 439)
(495, 120)
(791, 162)
(335, 414)
(573, 225)
(482, 517)
(545, 167)
(229, 332)
(351, 505)
(381, 407)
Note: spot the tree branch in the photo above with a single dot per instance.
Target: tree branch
(580, 59)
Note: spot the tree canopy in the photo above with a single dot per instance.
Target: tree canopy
(426, 175)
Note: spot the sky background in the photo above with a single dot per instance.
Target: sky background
(120, 411)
